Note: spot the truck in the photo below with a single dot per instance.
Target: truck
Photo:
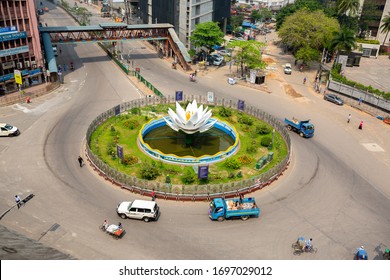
(221, 209)
(304, 128)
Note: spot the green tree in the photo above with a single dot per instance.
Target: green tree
(308, 29)
(247, 53)
(236, 22)
(385, 27)
(307, 54)
(343, 40)
(350, 7)
(207, 34)
(310, 5)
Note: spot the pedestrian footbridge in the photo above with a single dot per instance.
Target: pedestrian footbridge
(168, 42)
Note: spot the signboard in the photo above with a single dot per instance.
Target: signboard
(210, 96)
(12, 36)
(119, 151)
(8, 29)
(117, 110)
(7, 52)
(18, 77)
(241, 105)
(179, 95)
(203, 172)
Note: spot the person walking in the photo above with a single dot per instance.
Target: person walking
(81, 161)
(18, 201)
(304, 80)
(361, 125)
(153, 195)
(349, 118)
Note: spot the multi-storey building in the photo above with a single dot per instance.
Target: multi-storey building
(184, 15)
(20, 47)
(376, 11)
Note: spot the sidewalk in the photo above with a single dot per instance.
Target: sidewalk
(31, 92)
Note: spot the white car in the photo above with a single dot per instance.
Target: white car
(139, 209)
(287, 69)
(8, 130)
(224, 52)
(218, 61)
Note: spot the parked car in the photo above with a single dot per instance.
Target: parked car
(218, 61)
(333, 98)
(8, 130)
(224, 52)
(287, 69)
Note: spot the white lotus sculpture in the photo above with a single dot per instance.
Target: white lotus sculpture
(190, 121)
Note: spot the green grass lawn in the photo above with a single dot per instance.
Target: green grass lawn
(124, 130)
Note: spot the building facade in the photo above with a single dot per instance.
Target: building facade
(375, 10)
(184, 15)
(20, 47)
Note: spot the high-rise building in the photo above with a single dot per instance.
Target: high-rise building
(372, 13)
(20, 47)
(184, 15)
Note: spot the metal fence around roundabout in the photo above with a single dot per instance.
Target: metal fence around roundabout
(187, 192)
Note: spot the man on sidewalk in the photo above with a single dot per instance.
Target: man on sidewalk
(349, 118)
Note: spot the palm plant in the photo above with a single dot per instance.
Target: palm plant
(348, 6)
(343, 40)
(385, 27)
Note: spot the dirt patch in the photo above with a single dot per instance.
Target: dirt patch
(268, 60)
(290, 91)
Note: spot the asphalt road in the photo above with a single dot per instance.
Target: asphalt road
(336, 189)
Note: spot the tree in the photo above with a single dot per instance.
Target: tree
(207, 34)
(289, 9)
(308, 29)
(307, 54)
(247, 53)
(385, 27)
(236, 21)
(348, 6)
(343, 40)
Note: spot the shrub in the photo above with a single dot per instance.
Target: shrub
(244, 119)
(233, 163)
(111, 148)
(129, 160)
(189, 176)
(132, 123)
(136, 111)
(252, 148)
(263, 129)
(239, 174)
(245, 159)
(231, 175)
(266, 141)
(225, 112)
(149, 171)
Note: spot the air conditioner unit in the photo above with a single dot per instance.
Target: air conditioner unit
(27, 64)
(19, 65)
(34, 64)
(8, 65)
